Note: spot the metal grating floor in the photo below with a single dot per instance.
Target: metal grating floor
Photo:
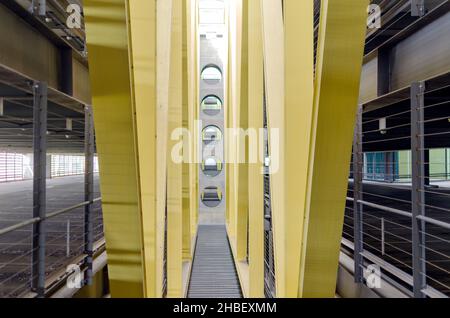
(213, 271)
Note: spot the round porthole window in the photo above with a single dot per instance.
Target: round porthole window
(211, 134)
(211, 196)
(211, 75)
(211, 167)
(211, 105)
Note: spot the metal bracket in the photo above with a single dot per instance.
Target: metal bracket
(39, 7)
(417, 8)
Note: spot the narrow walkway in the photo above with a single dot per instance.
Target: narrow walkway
(213, 271)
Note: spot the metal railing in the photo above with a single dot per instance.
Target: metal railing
(403, 225)
(43, 227)
(64, 243)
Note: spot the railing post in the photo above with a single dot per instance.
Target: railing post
(88, 191)
(39, 186)
(357, 196)
(418, 187)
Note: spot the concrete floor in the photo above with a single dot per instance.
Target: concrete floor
(64, 233)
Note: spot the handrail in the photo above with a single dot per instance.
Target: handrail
(426, 219)
(48, 216)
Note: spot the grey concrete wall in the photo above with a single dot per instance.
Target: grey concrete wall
(210, 54)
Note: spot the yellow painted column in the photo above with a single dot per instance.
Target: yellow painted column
(241, 141)
(255, 172)
(142, 16)
(164, 27)
(299, 92)
(226, 101)
(193, 75)
(107, 38)
(231, 105)
(175, 170)
(273, 42)
(339, 60)
(186, 139)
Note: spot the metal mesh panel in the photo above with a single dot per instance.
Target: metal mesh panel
(11, 166)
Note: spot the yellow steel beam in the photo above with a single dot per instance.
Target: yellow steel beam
(135, 52)
(233, 88)
(273, 41)
(255, 175)
(106, 27)
(299, 92)
(338, 70)
(164, 27)
(315, 124)
(241, 142)
(142, 51)
(175, 170)
(193, 76)
(186, 140)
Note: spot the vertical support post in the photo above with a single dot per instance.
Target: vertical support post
(446, 164)
(88, 191)
(174, 169)
(39, 186)
(242, 144)
(357, 196)
(255, 176)
(68, 238)
(186, 179)
(427, 165)
(383, 237)
(418, 187)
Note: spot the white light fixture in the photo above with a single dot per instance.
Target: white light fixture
(1, 106)
(382, 124)
(69, 124)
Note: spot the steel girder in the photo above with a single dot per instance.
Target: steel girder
(315, 118)
(136, 68)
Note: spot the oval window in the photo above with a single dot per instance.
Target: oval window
(211, 196)
(211, 75)
(211, 134)
(211, 105)
(211, 167)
